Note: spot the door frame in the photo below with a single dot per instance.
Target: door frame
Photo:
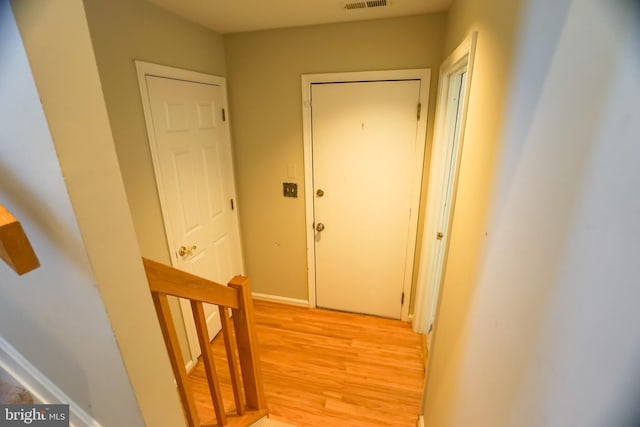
(424, 76)
(462, 57)
(144, 69)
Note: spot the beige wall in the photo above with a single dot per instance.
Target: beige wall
(536, 325)
(107, 259)
(54, 315)
(496, 23)
(123, 31)
(264, 71)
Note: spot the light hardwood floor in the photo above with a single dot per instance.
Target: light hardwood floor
(326, 368)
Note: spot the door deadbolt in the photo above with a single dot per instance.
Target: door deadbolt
(320, 227)
(319, 193)
(186, 251)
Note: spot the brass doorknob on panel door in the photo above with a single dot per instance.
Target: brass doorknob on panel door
(186, 251)
(319, 193)
(440, 235)
(320, 227)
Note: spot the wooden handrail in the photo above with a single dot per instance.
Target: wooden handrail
(171, 281)
(15, 248)
(250, 405)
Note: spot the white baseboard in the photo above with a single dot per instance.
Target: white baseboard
(40, 387)
(281, 300)
(421, 421)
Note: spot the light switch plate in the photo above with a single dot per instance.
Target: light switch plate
(292, 171)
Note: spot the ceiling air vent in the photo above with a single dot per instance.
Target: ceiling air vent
(356, 5)
(376, 3)
(366, 4)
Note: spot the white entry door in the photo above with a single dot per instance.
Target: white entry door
(365, 143)
(195, 181)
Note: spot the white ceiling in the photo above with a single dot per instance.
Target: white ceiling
(231, 16)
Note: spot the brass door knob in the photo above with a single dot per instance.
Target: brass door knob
(440, 235)
(186, 251)
(320, 227)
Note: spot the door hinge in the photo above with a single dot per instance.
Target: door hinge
(419, 110)
(232, 205)
(224, 115)
(402, 299)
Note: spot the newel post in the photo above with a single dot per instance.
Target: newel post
(247, 341)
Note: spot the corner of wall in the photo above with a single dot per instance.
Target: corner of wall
(57, 41)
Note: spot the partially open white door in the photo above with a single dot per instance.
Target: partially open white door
(453, 97)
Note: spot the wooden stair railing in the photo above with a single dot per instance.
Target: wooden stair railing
(250, 405)
(15, 248)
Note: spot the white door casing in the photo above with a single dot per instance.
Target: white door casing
(191, 150)
(453, 98)
(364, 147)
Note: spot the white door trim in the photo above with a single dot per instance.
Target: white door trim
(462, 57)
(424, 75)
(144, 69)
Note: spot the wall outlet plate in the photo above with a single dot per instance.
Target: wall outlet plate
(290, 189)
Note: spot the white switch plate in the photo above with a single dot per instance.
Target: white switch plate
(292, 171)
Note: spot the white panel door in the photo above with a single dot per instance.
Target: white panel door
(364, 155)
(453, 116)
(196, 181)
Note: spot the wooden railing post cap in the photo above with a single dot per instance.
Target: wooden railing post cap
(239, 281)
